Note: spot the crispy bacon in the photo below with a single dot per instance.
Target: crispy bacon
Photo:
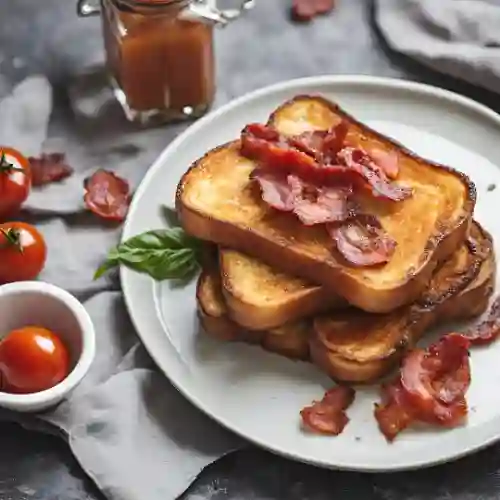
(48, 168)
(290, 161)
(315, 175)
(334, 141)
(328, 415)
(107, 195)
(314, 205)
(431, 388)
(388, 162)
(347, 166)
(260, 131)
(275, 189)
(357, 160)
(362, 241)
(448, 361)
(323, 145)
(435, 381)
(310, 143)
(393, 415)
(273, 152)
(311, 204)
(487, 331)
(306, 10)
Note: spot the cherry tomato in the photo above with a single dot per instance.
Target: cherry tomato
(15, 181)
(22, 252)
(32, 359)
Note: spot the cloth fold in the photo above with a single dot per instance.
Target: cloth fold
(128, 427)
(457, 37)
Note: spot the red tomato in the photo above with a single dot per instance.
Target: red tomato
(32, 359)
(22, 252)
(15, 181)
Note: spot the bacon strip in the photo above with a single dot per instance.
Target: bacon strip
(393, 415)
(314, 175)
(312, 205)
(334, 142)
(487, 331)
(328, 415)
(448, 363)
(107, 195)
(48, 168)
(306, 10)
(362, 241)
(276, 153)
(322, 145)
(361, 163)
(388, 162)
(435, 381)
(310, 143)
(431, 388)
(275, 189)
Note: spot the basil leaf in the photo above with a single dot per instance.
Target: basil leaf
(104, 268)
(164, 254)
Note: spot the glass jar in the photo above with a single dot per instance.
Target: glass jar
(160, 54)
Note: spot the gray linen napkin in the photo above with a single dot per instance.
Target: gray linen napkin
(457, 37)
(131, 431)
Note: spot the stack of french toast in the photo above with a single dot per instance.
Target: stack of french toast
(302, 273)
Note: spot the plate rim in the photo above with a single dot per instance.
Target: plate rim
(126, 275)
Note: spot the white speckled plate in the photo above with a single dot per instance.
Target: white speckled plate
(259, 395)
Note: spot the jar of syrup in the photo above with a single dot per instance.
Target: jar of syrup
(160, 54)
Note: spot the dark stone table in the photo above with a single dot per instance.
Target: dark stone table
(46, 36)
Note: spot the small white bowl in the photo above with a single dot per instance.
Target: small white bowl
(34, 303)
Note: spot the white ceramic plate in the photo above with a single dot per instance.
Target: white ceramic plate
(259, 395)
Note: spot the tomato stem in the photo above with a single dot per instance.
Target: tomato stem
(7, 167)
(12, 238)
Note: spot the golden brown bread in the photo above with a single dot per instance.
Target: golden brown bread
(217, 202)
(360, 347)
(212, 308)
(290, 340)
(259, 297)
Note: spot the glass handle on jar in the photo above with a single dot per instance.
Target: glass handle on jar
(208, 10)
(85, 8)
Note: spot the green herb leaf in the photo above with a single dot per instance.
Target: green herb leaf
(104, 268)
(165, 254)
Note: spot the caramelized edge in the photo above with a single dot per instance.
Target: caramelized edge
(479, 251)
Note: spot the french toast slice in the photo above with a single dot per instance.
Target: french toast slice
(212, 308)
(360, 347)
(260, 298)
(290, 340)
(216, 201)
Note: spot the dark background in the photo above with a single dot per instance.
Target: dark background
(45, 36)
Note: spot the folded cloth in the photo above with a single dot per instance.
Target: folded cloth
(457, 37)
(130, 430)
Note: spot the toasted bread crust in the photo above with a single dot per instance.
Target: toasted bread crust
(277, 251)
(460, 289)
(260, 298)
(291, 341)
(210, 310)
